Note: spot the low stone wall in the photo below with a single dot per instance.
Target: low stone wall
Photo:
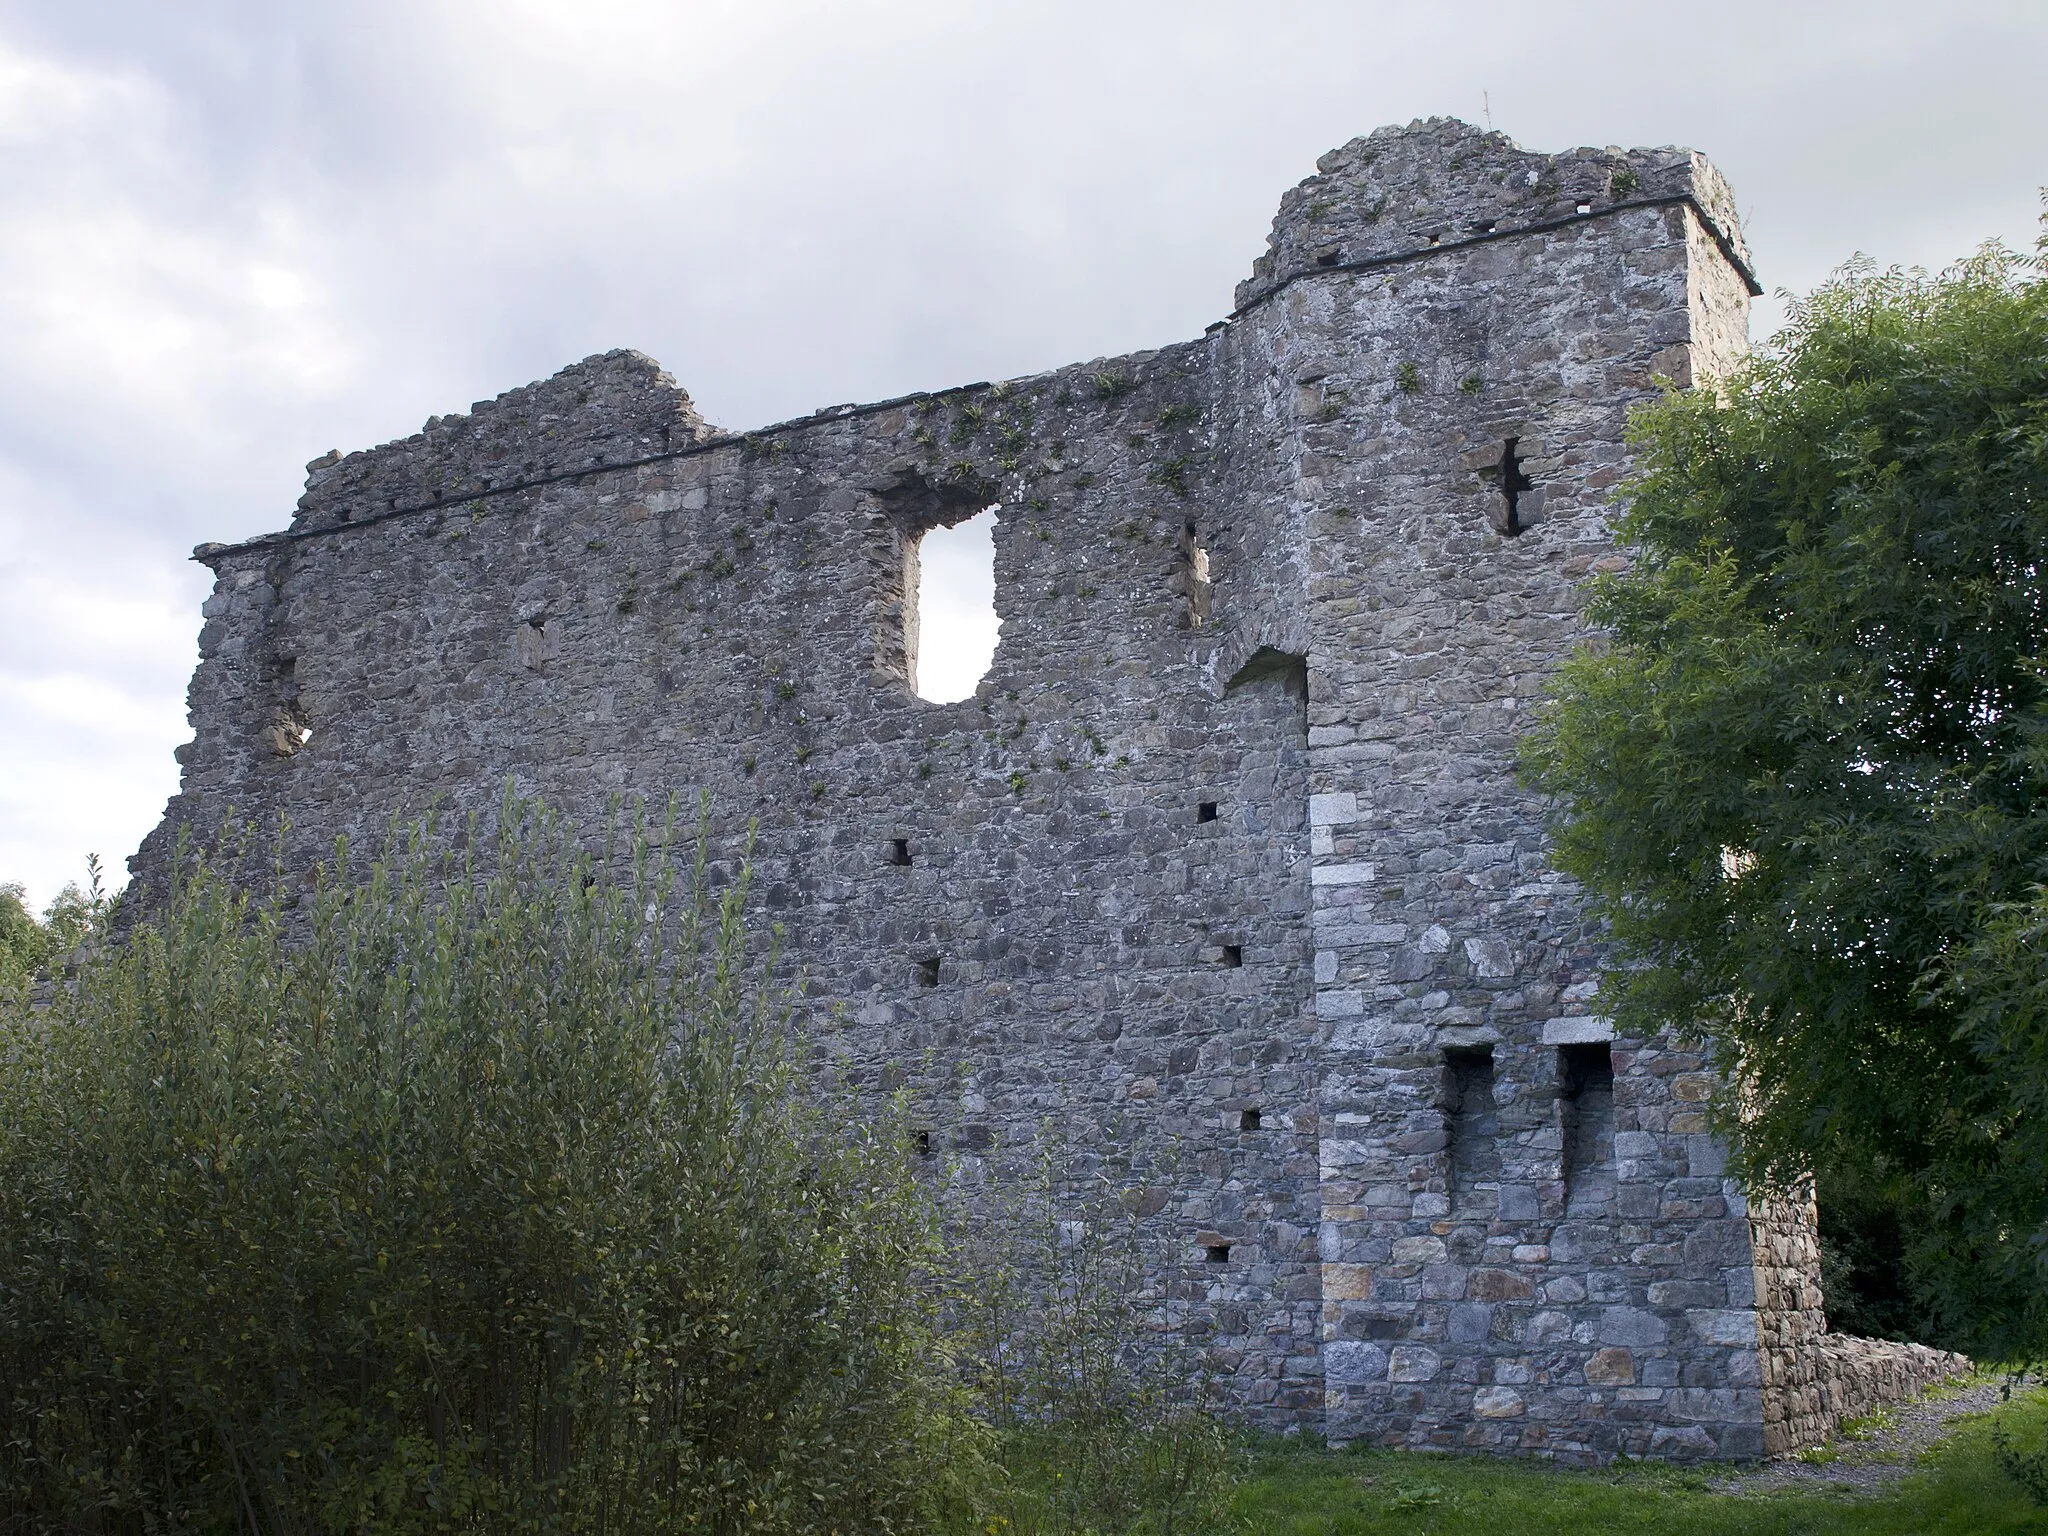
(1810, 1392)
(1813, 1381)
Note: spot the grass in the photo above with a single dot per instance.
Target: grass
(1957, 1490)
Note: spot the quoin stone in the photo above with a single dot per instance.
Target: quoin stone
(1224, 868)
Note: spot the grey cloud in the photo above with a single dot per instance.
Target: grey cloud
(233, 235)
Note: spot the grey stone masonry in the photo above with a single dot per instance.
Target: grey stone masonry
(1224, 868)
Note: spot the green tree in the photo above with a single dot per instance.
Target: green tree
(23, 944)
(27, 946)
(1804, 774)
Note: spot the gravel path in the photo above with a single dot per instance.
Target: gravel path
(1883, 1453)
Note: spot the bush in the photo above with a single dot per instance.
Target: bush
(1072, 1325)
(480, 1196)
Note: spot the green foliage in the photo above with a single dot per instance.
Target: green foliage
(1957, 1489)
(1059, 1313)
(1408, 379)
(1864, 1216)
(27, 945)
(491, 1201)
(1805, 780)
(1173, 474)
(2027, 1468)
(24, 946)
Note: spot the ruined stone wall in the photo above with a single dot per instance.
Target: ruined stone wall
(1224, 869)
(1069, 937)
(1815, 1381)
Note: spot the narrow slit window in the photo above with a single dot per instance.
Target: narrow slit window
(1473, 1125)
(1520, 501)
(924, 1143)
(1585, 1075)
(1197, 580)
(290, 730)
(950, 624)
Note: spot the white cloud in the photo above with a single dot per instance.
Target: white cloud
(232, 237)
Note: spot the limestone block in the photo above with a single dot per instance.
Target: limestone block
(1498, 1403)
(1631, 1325)
(1413, 1363)
(1611, 1368)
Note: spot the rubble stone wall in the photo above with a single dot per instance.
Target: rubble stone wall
(1224, 869)
(1815, 1381)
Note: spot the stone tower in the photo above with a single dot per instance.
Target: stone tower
(1227, 855)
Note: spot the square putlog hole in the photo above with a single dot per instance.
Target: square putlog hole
(1206, 811)
(1217, 1253)
(899, 852)
(1249, 1120)
(1233, 956)
(928, 972)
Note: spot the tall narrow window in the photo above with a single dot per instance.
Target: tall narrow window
(1473, 1125)
(289, 729)
(1194, 578)
(1585, 1079)
(950, 627)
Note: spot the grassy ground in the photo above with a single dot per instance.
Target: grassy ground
(1956, 1490)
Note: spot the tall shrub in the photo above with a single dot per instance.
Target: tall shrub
(484, 1195)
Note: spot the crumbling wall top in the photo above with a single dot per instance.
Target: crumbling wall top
(1441, 182)
(610, 408)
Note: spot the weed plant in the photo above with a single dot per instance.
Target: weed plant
(1070, 1318)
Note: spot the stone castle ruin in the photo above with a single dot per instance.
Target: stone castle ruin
(1227, 853)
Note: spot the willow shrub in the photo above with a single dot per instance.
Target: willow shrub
(491, 1201)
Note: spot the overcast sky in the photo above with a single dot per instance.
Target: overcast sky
(236, 233)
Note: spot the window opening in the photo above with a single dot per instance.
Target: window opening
(536, 645)
(1512, 483)
(1585, 1076)
(950, 625)
(899, 852)
(1248, 1120)
(290, 729)
(924, 1143)
(1196, 579)
(1206, 811)
(928, 972)
(1473, 1124)
(1233, 955)
(1217, 1253)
